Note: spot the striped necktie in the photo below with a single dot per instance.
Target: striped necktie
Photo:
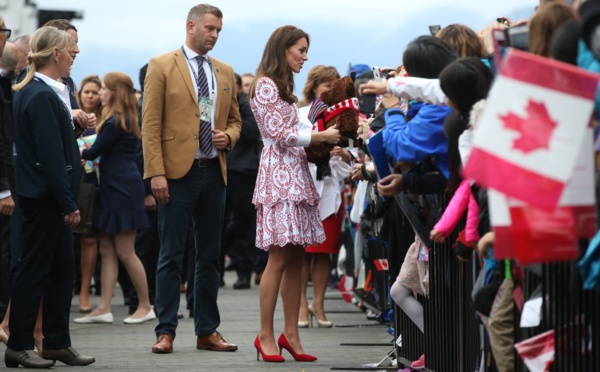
(205, 142)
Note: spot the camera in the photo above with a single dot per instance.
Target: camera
(367, 103)
(518, 37)
(379, 75)
(503, 38)
(434, 29)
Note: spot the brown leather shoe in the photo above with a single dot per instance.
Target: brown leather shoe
(163, 345)
(215, 342)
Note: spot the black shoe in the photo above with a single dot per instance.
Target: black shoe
(26, 358)
(243, 282)
(222, 283)
(68, 356)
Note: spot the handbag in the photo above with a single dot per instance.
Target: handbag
(86, 202)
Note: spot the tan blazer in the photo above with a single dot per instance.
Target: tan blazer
(171, 118)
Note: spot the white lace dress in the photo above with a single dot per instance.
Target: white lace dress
(285, 196)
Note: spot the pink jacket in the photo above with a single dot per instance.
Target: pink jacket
(454, 211)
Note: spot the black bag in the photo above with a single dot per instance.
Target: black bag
(86, 202)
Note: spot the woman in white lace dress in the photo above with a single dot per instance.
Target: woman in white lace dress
(285, 196)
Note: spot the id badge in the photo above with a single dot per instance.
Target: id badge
(206, 106)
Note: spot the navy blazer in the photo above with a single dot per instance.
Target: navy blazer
(7, 169)
(47, 160)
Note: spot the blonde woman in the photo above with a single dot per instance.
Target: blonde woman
(120, 211)
(47, 166)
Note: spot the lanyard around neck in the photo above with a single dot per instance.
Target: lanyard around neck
(212, 76)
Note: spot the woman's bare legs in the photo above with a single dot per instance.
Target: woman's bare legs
(124, 243)
(38, 335)
(303, 313)
(279, 257)
(89, 252)
(108, 274)
(4, 324)
(37, 332)
(320, 276)
(121, 246)
(290, 294)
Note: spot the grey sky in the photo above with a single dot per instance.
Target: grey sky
(123, 35)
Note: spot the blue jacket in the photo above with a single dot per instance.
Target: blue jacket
(589, 265)
(587, 60)
(418, 138)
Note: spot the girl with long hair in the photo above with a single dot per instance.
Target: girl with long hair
(120, 209)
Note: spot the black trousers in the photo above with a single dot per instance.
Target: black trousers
(242, 249)
(45, 267)
(4, 264)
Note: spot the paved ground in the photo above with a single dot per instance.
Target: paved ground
(120, 347)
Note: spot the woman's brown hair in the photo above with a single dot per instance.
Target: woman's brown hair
(544, 23)
(90, 79)
(463, 40)
(122, 103)
(274, 63)
(316, 76)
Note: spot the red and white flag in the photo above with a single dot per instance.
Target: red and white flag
(530, 133)
(530, 234)
(381, 264)
(537, 352)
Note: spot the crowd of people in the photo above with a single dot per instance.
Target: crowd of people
(205, 170)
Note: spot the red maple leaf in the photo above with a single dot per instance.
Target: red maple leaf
(536, 129)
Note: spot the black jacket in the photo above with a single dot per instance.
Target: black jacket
(7, 170)
(245, 156)
(47, 157)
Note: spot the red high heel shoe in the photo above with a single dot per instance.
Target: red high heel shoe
(284, 344)
(266, 357)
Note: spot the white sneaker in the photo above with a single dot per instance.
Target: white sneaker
(145, 318)
(99, 319)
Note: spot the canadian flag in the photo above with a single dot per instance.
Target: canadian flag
(381, 264)
(530, 133)
(531, 234)
(537, 352)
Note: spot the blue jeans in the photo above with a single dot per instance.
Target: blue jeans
(197, 198)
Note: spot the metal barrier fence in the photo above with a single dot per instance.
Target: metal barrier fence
(410, 347)
(452, 339)
(574, 314)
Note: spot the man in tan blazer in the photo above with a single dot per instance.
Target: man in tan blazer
(190, 120)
